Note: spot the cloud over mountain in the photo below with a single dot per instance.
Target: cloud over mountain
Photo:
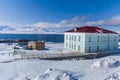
(24, 30)
(61, 26)
(77, 21)
(5, 28)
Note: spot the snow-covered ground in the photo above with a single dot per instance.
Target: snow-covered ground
(107, 68)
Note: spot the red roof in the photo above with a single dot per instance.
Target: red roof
(91, 29)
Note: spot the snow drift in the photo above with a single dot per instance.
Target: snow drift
(55, 74)
(113, 76)
(5, 48)
(108, 62)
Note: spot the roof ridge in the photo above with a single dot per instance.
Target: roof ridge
(91, 29)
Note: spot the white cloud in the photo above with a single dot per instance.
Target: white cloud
(114, 21)
(61, 26)
(63, 22)
(46, 27)
(95, 23)
(79, 21)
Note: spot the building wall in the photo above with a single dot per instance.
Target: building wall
(40, 45)
(36, 45)
(75, 41)
(100, 42)
(32, 45)
(91, 42)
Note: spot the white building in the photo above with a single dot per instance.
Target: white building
(91, 39)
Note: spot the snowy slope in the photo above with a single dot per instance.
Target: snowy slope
(107, 68)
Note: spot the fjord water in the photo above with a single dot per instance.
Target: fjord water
(41, 37)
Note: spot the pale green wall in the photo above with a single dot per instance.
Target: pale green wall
(77, 42)
(103, 42)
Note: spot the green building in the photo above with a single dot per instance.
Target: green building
(91, 39)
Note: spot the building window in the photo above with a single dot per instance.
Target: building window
(89, 39)
(101, 39)
(78, 47)
(74, 46)
(70, 37)
(66, 37)
(105, 39)
(97, 48)
(108, 38)
(74, 38)
(114, 38)
(79, 38)
(98, 39)
(89, 49)
(108, 47)
(66, 44)
(69, 45)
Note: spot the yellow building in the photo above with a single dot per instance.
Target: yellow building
(38, 45)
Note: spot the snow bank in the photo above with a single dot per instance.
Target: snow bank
(113, 76)
(55, 74)
(108, 62)
(5, 48)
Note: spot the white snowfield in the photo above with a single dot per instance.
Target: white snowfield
(107, 68)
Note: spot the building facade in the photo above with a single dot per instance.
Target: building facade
(38, 45)
(90, 39)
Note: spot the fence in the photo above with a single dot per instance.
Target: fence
(49, 56)
(62, 55)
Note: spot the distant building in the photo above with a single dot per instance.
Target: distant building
(38, 45)
(23, 42)
(90, 39)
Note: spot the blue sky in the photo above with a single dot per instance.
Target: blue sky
(59, 14)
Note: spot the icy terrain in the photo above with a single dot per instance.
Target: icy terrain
(107, 68)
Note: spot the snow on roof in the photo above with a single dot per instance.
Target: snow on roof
(91, 29)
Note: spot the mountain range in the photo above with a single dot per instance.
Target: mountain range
(25, 30)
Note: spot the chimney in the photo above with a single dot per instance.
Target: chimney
(75, 29)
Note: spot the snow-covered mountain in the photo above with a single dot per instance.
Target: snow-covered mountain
(6, 28)
(33, 29)
(26, 30)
